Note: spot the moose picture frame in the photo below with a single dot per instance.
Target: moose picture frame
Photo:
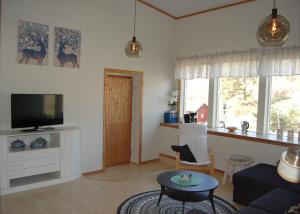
(67, 43)
(33, 41)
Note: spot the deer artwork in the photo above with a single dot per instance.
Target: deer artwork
(63, 57)
(33, 54)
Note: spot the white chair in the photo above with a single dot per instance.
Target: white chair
(195, 136)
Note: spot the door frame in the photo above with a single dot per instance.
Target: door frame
(107, 72)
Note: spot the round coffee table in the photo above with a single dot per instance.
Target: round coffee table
(201, 192)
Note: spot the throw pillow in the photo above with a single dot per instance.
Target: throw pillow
(294, 210)
(185, 153)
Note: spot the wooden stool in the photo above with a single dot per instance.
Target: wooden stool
(234, 161)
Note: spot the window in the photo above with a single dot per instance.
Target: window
(238, 99)
(285, 104)
(196, 98)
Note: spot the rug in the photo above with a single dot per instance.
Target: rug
(145, 203)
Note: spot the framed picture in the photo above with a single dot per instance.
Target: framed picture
(67, 44)
(32, 43)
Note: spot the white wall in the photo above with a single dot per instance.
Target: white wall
(106, 27)
(223, 147)
(232, 28)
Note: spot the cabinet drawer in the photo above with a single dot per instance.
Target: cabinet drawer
(14, 165)
(33, 154)
(33, 171)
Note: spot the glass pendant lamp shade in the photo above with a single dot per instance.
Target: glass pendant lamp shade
(273, 31)
(133, 48)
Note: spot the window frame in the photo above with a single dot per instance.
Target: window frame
(263, 106)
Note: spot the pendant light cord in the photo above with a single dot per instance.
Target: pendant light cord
(134, 17)
(274, 4)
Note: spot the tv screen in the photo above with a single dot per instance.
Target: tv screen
(34, 110)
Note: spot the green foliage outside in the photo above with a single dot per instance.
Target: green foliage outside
(241, 98)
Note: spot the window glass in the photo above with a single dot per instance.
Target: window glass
(196, 98)
(285, 104)
(238, 99)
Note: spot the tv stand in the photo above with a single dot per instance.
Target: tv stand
(48, 128)
(32, 130)
(28, 168)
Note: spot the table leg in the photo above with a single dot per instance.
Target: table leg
(226, 172)
(183, 202)
(162, 191)
(211, 199)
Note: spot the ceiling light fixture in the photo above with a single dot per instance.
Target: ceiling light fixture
(133, 48)
(273, 31)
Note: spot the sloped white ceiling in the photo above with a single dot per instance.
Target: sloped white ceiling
(178, 8)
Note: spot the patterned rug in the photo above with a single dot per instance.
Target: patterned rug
(145, 203)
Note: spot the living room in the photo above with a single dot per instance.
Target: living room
(105, 28)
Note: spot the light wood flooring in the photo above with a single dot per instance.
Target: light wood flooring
(94, 194)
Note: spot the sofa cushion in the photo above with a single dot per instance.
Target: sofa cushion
(251, 210)
(185, 153)
(277, 201)
(262, 178)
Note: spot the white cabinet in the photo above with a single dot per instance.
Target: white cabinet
(28, 168)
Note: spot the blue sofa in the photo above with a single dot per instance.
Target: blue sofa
(254, 182)
(278, 201)
(264, 190)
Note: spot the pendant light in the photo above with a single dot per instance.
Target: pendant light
(133, 48)
(273, 31)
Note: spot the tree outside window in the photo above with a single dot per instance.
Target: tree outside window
(285, 104)
(238, 100)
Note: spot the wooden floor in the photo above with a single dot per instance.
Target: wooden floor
(93, 195)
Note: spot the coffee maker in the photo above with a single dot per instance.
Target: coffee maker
(190, 117)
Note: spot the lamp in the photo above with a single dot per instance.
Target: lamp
(133, 48)
(273, 31)
(289, 165)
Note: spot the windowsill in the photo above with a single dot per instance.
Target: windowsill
(170, 125)
(249, 136)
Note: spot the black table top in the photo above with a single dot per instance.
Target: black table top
(207, 182)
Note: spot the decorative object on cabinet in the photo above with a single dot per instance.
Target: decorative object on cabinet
(18, 144)
(32, 43)
(274, 29)
(38, 143)
(67, 45)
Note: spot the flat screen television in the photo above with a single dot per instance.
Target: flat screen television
(35, 110)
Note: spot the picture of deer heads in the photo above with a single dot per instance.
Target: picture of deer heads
(32, 43)
(67, 44)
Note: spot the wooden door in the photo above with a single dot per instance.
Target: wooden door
(118, 117)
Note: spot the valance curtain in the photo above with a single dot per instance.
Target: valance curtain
(251, 63)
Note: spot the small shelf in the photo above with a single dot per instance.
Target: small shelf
(17, 182)
(53, 141)
(28, 148)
